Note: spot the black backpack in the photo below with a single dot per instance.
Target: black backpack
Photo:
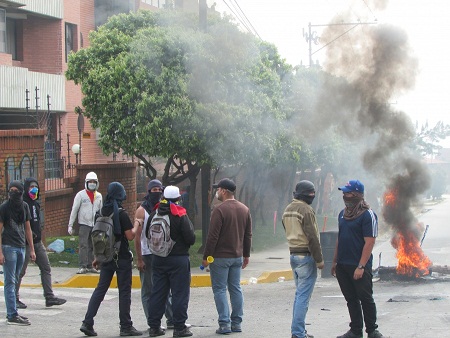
(104, 242)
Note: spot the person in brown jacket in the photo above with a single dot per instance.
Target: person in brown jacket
(229, 241)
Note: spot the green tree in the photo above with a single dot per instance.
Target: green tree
(156, 86)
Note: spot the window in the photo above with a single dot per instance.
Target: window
(71, 33)
(2, 31)
(11, 38)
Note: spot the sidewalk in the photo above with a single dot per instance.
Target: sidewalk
(265, 266)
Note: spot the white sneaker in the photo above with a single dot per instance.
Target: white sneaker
(82, 271)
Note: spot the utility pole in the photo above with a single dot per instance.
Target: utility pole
(202, 15)
(312, 36)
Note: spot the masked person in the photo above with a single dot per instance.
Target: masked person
(352, 262)
(173, 272)
(30, 196)
(302, 233)
(15, 232)
(85, 205)
(121, 265)
(144, 256)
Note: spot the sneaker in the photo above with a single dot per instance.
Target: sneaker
(182, 333)
(88, 330)
(54, 301)
(20, 305)
(155, 332)
(130, 331)
(81, 271)
(92, 270)
(236, 328)
(18, 320)
(307, 336)
(375, 334)
(223, 330)
(350, 334)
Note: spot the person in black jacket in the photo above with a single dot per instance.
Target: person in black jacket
(172, 273)
(31, 196)
(122, 265)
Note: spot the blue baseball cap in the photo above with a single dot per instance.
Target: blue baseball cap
(353, 186)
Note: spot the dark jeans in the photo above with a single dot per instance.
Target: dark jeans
(124, 275)
(146, 289)
(172, 273)
(358, 294)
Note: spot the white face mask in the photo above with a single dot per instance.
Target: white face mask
(92, 186)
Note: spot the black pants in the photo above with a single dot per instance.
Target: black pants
(124, 277)
(172, 273)
(359, 297)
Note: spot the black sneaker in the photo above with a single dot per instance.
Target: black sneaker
(130, 331)
(155, 332)
(350, 334)
(375, 334)
(18, 320)
(88, 330)
(182, 333)
(54, 301)
(20, 305)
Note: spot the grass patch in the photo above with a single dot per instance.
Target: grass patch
(264, 238)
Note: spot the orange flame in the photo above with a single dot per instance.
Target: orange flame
(411, 259)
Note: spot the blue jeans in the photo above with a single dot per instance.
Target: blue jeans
(14, 258)
(226, 273)
(305, 275)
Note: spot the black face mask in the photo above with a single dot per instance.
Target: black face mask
(305, 198)
(16, 197)
(155, 196)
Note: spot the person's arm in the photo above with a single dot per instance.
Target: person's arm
(139, 218)
(29, 236)
(333, 266)
(365, 255)
(2, 258)
(247, 241)
(74, 212)
(310, 228)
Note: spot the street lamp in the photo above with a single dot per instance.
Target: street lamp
(76, 150)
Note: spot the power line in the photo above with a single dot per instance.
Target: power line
(240, 19)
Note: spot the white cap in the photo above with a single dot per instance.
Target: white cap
(91, 176)
(171, 192)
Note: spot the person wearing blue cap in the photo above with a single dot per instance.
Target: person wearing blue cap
(352, 262)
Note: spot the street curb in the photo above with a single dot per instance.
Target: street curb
(91, 281)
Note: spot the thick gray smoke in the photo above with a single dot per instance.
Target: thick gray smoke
(376, 64)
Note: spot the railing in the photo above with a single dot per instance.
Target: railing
(58, 173)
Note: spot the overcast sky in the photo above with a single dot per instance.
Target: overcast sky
(427, 23)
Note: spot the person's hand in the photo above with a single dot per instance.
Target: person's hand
(140, 264)
(333, 270)
(245, 262)
(70, 230)
(2, 258)
(320, 265)
(358, 274)
(33, 256)
(95, 264)
(205, 263)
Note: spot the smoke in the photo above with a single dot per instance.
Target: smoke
(374, 64)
